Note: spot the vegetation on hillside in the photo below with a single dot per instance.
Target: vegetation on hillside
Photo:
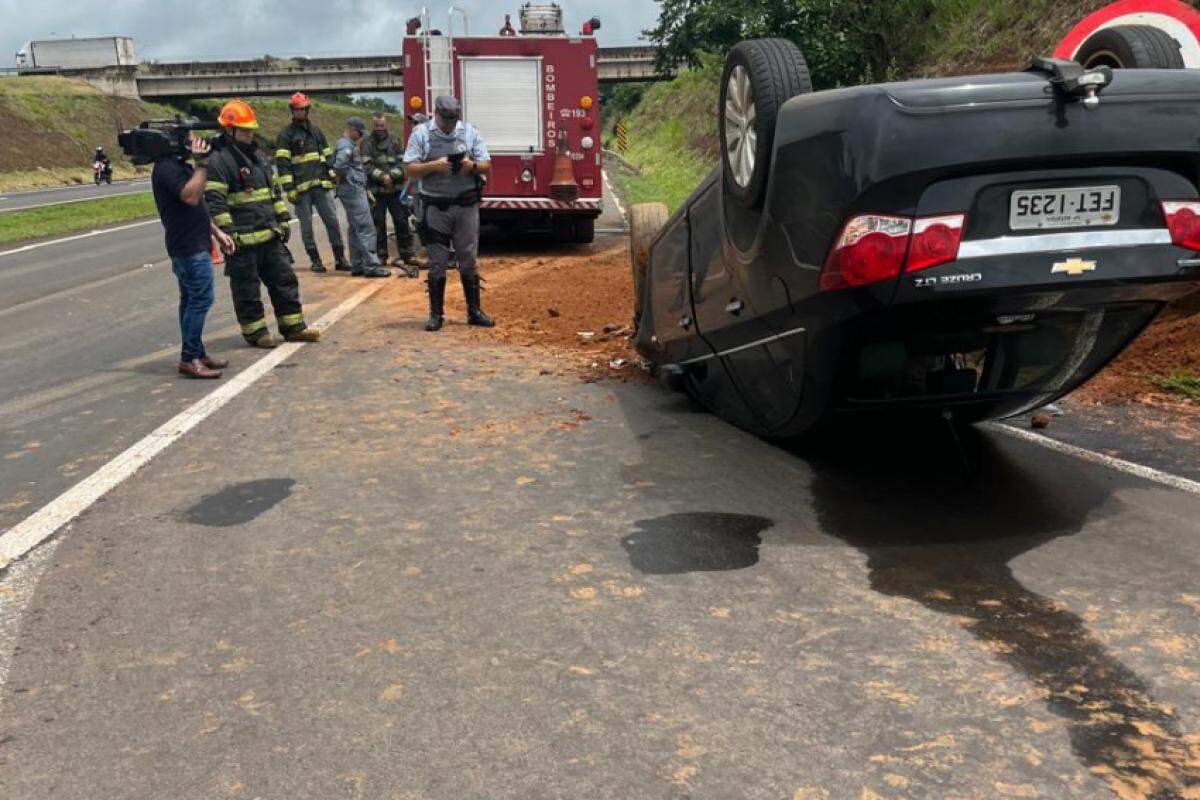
(673, 125)
(49, 127)
(273, 115)
(855, 41)
(672, 136)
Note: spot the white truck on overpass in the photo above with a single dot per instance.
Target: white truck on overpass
(85, 53)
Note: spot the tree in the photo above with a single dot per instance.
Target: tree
(845, 41)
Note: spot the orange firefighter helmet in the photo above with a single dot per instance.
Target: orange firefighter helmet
(236, 114)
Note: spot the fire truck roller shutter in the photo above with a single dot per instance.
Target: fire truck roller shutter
(502, 97)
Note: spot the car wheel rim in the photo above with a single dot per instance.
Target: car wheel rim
(741, 136)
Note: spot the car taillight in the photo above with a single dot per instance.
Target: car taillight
(870, 248)
(1183, 220)
(935, 241)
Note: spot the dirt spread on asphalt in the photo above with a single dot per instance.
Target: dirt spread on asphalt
(572, 304)
(1169, 345)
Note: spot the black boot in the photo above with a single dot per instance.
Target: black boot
(475, 315)
(339, 261)
(315, 257)
(437, 304)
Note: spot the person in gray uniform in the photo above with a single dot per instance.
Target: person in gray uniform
(449, 159)
(352, 191)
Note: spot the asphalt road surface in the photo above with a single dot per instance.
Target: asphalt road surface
(414, 566)
(39, 198)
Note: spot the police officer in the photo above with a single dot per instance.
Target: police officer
(449, 158)
(246, 202)
(352, 191)
(383, 158)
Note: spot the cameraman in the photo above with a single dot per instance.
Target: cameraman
(179, 194)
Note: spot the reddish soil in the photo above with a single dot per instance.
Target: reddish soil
(545, 301)
(1172, 343)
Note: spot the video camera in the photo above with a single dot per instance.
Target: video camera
(156, 139)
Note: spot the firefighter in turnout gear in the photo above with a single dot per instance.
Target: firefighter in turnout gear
(449, 158)
(383, 158)
(246, 202)
(305, 162)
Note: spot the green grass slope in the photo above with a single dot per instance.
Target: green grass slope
(49, 127)
(273, 114)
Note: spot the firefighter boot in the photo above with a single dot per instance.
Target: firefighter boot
(437, 304)
(306, 335)
(314, 256)
(475, 315)
(339, 261)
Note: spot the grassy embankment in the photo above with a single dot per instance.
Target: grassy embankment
(53, 124)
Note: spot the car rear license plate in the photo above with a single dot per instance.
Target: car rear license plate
(1082, 207)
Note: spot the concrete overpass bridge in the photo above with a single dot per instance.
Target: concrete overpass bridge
(272, 76)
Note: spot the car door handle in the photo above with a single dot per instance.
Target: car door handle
(735, 306)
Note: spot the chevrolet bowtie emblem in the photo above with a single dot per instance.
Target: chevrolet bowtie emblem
(1073, 267)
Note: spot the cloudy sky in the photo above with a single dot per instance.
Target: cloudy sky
(179, 29)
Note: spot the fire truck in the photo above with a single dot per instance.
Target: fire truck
(534, 95)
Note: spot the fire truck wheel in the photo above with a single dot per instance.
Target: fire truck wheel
(760, 76)
(585, 230)
(562, 228)
(645, 222)
(1131, 47)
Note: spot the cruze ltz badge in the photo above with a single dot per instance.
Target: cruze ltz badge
(1073, 267)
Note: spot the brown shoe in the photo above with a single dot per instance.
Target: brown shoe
(214, 363)
(306, 335)
(196, 369)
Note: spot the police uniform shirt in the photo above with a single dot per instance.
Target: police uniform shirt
(419, 143)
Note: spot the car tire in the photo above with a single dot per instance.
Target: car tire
(645, 222)
(585, 230)
(1131, 47)
(760, 76)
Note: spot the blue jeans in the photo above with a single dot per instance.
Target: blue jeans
(195, 274)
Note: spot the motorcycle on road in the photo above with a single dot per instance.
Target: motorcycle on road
(102, 172)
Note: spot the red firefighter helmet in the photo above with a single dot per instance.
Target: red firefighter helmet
(299, 100)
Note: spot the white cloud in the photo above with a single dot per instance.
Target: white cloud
(174, 29)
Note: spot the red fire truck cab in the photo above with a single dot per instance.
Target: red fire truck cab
(535, 98)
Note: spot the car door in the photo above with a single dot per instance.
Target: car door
(761, 370)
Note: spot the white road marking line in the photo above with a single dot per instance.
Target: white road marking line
(96, 232)
(76, 200)
(616, 198)
(34, 530)
(1128, 467)
(77, 237)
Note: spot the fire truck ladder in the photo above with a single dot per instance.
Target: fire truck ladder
(439, 56)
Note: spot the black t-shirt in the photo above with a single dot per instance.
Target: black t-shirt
(187, 226)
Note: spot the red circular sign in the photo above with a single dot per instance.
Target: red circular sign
(1177, 18)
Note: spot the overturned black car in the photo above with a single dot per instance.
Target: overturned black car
(973, 247)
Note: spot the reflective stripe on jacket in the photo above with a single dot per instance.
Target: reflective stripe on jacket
(304, 158)
(251, 208)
